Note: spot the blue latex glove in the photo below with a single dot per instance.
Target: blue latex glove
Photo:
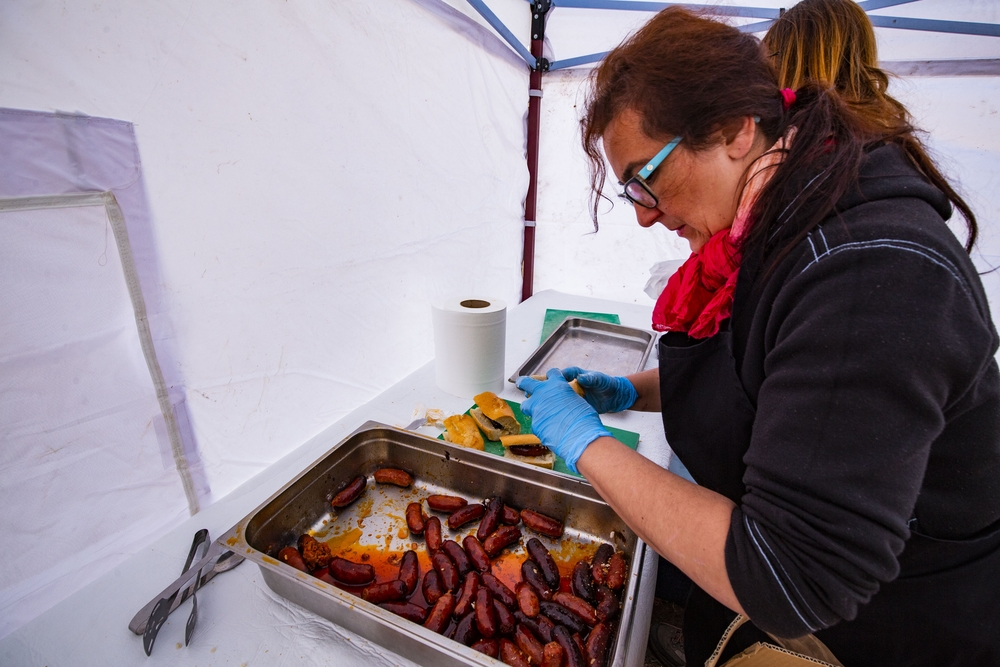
(605, 392)
(564, 422)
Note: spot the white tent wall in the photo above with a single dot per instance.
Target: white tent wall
(317, 173)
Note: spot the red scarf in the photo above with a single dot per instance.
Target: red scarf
(699, 297)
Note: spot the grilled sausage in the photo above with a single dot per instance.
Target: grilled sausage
(616, 572)
(538, 553)
(541, 626)
(355, 574)
(432, 534)
(433, 587)
(597, 645)
(467, 596)
(437, 620)
(511, 517)
(505, 619)
(580, 646)
(540, 523)
(389, 591)
(607, 604)
(491, 519)
(580, 607)
(393, 476)
(486, 616)
(447, 570)
(560, 615)
(599, 563)
(323, 574)
(415, 519)
(573, 656)
(499, 590)
(350, 493)
(503, 537)
(408, 610)
(490, 647)
(528, 643)
(532, 575)
(465, 515)
(511, 655)
(466, 632)
(449, 504)
(552, 655)
(582, 582)
(474, 548)
(457, 555)
(409, 570)
(527, 600)
(292, 556)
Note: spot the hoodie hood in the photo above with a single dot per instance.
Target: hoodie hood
(887, 173)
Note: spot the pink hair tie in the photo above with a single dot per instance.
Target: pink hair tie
(787, 98)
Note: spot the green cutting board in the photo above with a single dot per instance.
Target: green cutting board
(628, 438)
(553, 318)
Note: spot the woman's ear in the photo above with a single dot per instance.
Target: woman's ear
(739, 137)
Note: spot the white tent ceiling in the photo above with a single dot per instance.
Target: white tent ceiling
(317, 172)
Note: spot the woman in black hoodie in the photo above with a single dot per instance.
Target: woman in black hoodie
(826, 372)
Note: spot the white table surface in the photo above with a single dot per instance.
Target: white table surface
(240, 621)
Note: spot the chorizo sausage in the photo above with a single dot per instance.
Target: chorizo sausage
(393, 476)
(505, 619)
(552, 655)
(415, 520)
(490, 647)
(466, 633)
(323, 574)
(578, 606)
(350, 493)
(538, 553)
(573, 656)
(389, 591)
(486, 616)
(582, 583)
(440, 614)
(531, 575)
(465, 515)
(560, 615)
(433, 587)
(499, 590)
(449, 504)
(467, 596)
(540, 523)
(408, 610)
(597, 645)
(474, 548)
(355, 574)
(616, 572)
(541, 626)
(607, 604)
(446, 568)
(457, 555)
(527, 600)
(599, 563)
(511, 517)
(292, 556)
(432, 534)
(528, 643)
(503, 537)
(491, 518)
(580, 646)
(511, 655)
(409, 570)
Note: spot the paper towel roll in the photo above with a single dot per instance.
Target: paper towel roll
(469, 339)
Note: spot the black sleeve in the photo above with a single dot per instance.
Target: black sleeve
(866, 347)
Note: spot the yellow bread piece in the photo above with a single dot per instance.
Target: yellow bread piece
(462, 430)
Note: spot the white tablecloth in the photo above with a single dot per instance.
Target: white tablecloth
(240, 621)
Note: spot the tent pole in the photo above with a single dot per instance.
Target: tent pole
(539, 9)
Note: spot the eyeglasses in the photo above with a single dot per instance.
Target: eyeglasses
(635, 190)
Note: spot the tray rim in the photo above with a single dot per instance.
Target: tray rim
(585, 323)
(234, 540)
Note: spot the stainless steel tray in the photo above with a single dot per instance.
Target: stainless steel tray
(595, 346)
(303, 505)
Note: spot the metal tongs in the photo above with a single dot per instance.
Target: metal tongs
(214, 559)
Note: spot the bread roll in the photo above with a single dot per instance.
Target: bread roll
(461, 430)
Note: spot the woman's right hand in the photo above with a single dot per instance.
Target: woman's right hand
(605, 393)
